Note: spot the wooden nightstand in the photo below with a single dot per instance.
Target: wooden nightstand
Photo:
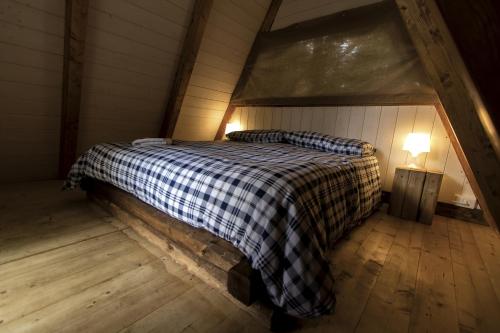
(415, 193)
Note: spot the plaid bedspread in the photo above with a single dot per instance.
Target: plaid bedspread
(283, 206)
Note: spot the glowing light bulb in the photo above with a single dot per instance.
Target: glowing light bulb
(232, 127)
(417, 143)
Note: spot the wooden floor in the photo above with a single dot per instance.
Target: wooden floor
(67, 266)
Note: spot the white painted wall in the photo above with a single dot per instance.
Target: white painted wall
(294, 11)
(131, 55)
(229, 35)
(31, 53)
(385, 127)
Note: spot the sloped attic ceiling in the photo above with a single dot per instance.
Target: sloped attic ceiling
(211, 88)
(230, 32)
(293, 11)
(131, 53)
(132, 50)
(363, 54)
(227, 40)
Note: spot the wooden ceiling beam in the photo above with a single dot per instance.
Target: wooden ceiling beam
(75, 25)
(476, 36)
(461, 109)
(340, 100)
(266, 25)
(187, 60)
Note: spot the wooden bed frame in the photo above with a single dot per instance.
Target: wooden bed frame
(214, 260)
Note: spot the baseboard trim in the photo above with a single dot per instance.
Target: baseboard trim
(471, 215)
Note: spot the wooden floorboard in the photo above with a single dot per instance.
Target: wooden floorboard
(488, 245)
(465, 294)
(359, 274)
(484, 300)
(66, 266)
(389, 305)
(434, 309)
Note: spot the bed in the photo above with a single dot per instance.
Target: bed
(283, 206)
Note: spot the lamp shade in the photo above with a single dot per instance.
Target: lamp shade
(417, 143)
(232, 127)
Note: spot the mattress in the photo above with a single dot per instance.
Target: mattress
(283, 206)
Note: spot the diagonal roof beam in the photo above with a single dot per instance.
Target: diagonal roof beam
(187, 60)
(75, 25)
(252, 56)
(464, 115)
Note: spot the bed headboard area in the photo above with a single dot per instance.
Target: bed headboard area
(383, 126)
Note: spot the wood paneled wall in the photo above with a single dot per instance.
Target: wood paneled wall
(131, 56)
(31, 58)
(385, 127)
(230, 32)
(293, 11)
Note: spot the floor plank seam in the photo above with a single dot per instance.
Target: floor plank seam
(378, 275)
(481, 255)
(88, 287)
(453, 272)
(416, 276)
(57, 247)
(156, 309)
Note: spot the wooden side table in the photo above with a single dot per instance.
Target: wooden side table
(415, 193)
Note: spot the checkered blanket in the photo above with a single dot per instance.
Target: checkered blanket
(325, 142)
(283, 206)
(262, 136)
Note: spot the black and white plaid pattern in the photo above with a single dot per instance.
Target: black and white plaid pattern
(262, 136)
(283, 206)
(337, 145)
(368, 176)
